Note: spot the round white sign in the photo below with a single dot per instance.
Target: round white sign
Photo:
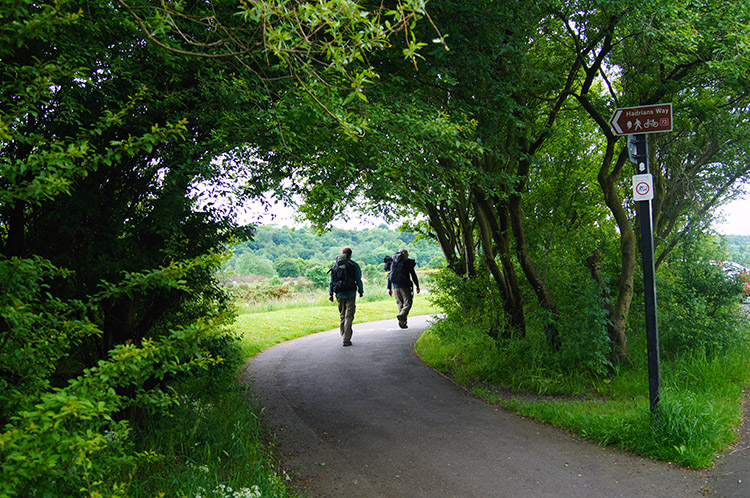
(643, 187)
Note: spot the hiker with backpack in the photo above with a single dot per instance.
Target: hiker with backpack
(345, 283)
(402, 280)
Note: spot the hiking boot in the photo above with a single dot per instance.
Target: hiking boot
(403, 324)
(347, 343)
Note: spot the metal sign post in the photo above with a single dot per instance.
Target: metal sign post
(641, 157)
(637, 122)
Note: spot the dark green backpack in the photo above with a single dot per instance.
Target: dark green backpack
(343, 275)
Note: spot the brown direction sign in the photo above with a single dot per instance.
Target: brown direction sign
(642, 119)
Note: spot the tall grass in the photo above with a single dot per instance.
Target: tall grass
(211, 446)
(307, 300)
(688, 428)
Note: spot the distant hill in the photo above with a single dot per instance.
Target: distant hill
(289, 252)
(739, 248)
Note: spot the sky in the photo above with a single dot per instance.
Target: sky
(737, 215)
(281, 215)
(736, 218)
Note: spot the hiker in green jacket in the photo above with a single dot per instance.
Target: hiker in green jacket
(345, 283)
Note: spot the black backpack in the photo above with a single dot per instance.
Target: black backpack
(400, 270)
(387, 260)
(343, 275)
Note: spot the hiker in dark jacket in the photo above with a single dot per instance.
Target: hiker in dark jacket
(402, 280)
(345, 282)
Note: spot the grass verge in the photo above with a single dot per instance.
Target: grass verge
(699, 409)
(211, 446)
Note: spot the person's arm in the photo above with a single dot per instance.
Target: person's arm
(330, 287)
(360, 286)
(388, 286)
(413, 274)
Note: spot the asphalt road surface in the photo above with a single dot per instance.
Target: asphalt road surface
(372, 420)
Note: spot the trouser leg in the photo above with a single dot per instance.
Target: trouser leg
(347, 307)
(404, 300)
(399, 303)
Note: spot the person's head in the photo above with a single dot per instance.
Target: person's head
(404, 252)
(347, 251)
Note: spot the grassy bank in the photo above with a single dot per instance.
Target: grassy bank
(699, 410)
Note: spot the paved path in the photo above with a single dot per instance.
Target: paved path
(372, 420)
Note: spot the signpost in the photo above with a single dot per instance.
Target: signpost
(644, 119)
(637, 122)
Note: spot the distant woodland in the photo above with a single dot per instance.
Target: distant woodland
(738, 247)
(291, 252)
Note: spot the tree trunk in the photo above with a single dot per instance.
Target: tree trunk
(619, 315)
(445, 237)
(507, 282)
(592, 262)
(527, 265)
(467, 234)
(608, 183)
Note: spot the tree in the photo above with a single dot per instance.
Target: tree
(462, 141)
(287, 267)
(250, 264)
(319, 275)
(102, 140)
(662, 62)
(112, 118)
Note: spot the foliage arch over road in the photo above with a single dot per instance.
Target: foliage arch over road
(503, 144)
(112, 116)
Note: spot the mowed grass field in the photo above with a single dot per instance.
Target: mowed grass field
(259, 331)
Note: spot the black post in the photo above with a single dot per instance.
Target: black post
(649, 282)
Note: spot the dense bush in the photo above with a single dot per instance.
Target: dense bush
(319, 275)
(698, 311)
(107, 297)
(471, 336)
(288, 267)
(698, 308)
(582, 321)
(67, 429)
(476, 298)
(585, 344)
